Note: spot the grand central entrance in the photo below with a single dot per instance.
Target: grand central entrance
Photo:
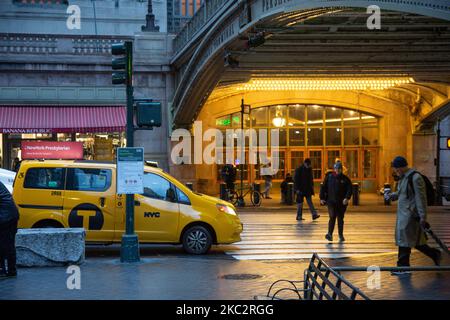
(322, 133)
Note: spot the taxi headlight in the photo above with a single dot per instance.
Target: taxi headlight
(226, 209)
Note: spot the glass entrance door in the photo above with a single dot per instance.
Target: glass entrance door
(297, 158)
(316, 163)
(351, 163)
(331, 156)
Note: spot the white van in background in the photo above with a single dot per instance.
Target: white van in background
(7, 178)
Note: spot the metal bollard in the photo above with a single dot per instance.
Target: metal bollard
(355, 196)
(387, 190)
(290, 194)
(190, 185)
(223, 192)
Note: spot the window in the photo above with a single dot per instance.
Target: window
(182, 197)
(297, 137)
(88, 179)
(297, 158)
(333, 136)
(315, 137)
(333, 116)
(351, 136)
(277, 116)
(296, 115)
(156, 187)
(351, 118)
(45, 178)
(369, 136)
(315, 115)
(369, 166)
(259, 117)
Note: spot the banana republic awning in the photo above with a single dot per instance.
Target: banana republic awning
(62, 119)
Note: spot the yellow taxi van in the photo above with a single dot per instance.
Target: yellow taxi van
(82, 194)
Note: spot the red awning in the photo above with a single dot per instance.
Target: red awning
(62, 119)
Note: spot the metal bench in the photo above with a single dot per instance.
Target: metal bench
(320, 282)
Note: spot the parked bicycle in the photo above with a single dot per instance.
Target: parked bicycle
(238, 195)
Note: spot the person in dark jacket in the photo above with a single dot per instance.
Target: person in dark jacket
(229, 176)
(304, 188)
(284, 187)
(9, 216)
(335, 192)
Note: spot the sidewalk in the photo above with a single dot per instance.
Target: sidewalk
(368, 202)
(204, 278)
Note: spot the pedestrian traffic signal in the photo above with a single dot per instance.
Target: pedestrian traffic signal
(123, 63)
(148, 114)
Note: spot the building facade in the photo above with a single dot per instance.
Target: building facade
(333, 88)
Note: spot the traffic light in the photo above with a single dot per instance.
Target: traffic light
(448, 143)
(148, 114)
(124, 63)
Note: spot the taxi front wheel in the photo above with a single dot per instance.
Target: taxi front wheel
(197, 240)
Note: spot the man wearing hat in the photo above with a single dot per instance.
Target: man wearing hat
(411, 215)
(335, 192)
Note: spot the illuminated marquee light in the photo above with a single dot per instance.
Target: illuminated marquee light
(323, 84)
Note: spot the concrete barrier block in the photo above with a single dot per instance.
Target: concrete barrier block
(50, 247)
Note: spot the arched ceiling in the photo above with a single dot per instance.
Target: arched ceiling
(332, 43)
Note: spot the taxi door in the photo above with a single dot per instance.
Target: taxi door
(156, 211)
(39, 193)
(90, 202)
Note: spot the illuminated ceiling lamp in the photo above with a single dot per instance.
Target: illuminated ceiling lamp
(330, 84)
(279, 121)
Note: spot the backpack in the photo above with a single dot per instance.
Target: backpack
(431, 194)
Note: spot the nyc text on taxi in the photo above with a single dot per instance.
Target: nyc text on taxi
(82, 194)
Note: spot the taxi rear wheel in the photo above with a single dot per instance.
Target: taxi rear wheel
(197, 240)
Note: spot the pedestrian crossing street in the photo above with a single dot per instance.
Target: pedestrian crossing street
(278, 236)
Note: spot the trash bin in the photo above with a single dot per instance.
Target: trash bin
(289, 200)
(223, 192)
(190, 185)
(387, 190)
(355, 195)
(257, 186)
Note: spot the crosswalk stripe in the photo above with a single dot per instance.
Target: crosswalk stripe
(288, 239)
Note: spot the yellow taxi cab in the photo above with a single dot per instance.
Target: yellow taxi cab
(82, 194)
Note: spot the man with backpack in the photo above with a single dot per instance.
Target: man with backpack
(414, 189)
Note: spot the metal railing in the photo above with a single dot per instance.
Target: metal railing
(321, 282)
(204, 14)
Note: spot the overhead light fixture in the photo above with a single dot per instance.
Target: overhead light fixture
(323, 84)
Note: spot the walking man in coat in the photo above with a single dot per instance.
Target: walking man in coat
(304, 188)
(335, 192)
(9, 216)
(411, 215)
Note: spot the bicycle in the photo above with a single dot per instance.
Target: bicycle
(255, 196)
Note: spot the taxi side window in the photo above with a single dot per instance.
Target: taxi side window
(156, 187)
(45, 178)
(182, 197)
(87, 179)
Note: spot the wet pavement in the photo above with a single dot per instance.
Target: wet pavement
(235, 272)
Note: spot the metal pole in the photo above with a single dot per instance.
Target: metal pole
(438, 163)
(364, 269)
(130, 242)
(241, 202)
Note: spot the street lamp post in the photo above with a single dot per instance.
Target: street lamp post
(245, 109)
